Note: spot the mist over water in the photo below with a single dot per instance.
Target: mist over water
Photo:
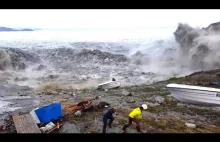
(83, 59)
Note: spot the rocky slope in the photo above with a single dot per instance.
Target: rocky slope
(165, 113)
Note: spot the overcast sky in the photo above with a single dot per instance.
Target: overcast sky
(85, 18)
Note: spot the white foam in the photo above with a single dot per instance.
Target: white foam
(5, 107)
(15, 98)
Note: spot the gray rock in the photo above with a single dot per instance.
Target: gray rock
(69, 128)
(52, 93)
(191, 121)
(123, 103)
(126, 93)
(159, 99)
(114, 130)
(53, 76)
(151, 104)
(40, 67)
(130, 101)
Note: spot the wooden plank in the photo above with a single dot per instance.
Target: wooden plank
(55, 128)
(25, 124)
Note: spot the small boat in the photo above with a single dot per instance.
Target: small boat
(109, 85)
(195, 94)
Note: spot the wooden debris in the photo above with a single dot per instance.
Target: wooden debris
(25, 124)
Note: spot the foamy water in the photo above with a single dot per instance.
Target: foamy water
(5, 107)
(151, 42)
(80, 59)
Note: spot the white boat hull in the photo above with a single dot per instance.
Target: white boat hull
(195, 94)
(109, 85)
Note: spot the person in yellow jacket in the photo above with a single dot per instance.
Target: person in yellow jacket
(135, 115)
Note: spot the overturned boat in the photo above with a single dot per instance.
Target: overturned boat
(195, 94)
(109, 85)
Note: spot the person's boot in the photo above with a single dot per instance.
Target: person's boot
(139, 129)
(103, 131)
(110, 125)
(124, 129)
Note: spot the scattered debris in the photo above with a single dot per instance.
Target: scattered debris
(25, 124)
(78, 113)
(43, 117)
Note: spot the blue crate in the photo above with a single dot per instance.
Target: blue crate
(49, 113)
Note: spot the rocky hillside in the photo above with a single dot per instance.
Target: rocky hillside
(165, 113)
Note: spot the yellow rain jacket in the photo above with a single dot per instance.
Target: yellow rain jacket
(136, 113)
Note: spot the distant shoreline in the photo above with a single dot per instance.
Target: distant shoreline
(6, 29)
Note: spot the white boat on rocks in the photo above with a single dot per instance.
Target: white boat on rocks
(195, 94)
(109, 85)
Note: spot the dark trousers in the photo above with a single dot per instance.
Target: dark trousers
(130, 120)
(105, 122)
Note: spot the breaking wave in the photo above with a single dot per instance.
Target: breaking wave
(145, 61)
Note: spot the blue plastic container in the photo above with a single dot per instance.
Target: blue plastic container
(49, 113)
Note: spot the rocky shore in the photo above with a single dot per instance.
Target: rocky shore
(165, 113)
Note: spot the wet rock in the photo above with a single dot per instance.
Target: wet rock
(69, 128)
(51, 93)
(115, 122)
(213, 126)
(63, 100)
(65, 92)
(126, 93)
(130, 101)
(40, 67)
(21, 79)
(202, 118)
(114, 130)
(199, 123)
(53, 76)
(191, 121)
(181, 104)
(123, 104)
(151, 104)
(39, 93)
(159, 99)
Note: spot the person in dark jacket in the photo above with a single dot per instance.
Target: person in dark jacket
(108, 116)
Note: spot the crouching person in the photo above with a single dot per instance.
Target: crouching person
(108, 119)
